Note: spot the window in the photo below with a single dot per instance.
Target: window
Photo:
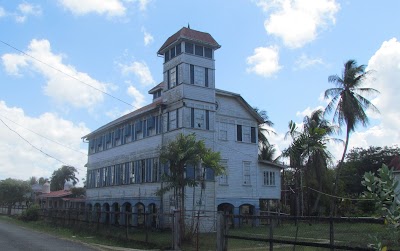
(199, 76)
(246, 134)
(156, 171)
(239, 132)
(172, 120)
(172, 77)
(198, 50)
(166, 56)
(223, 131)
(189, 48)
(207, 52)
(200, 119)
(269, 178)
(246, 173)
(172, 52)
(178, 49)
(132, 174)
(223, 179)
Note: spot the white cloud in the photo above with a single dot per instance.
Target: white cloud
(3, 13)
(110, 8)
(142, 3)
(18, 159)
(308, 111)
(62, 88)
(140, 70)
(25, 10)
(138, 102)
(148, 38)
(305, 61)
(264, 62)
(137, 95)
(297, 22)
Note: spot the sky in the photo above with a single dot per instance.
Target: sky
(68, 67)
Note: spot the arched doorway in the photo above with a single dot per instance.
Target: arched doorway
(153, 215)
(97, 212)
(246, 210)
(126, 218)
(140, 216)
(115, 214)
(106, 217)
(227, 208)
(89, 212)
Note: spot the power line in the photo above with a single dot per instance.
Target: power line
(56, 142)
(66, 74)
(35, 147)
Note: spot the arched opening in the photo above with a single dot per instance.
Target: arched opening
(139, 209)
(246, 210)
(97, 212)
(127, 216)
(227, 208)
(106, 209)
(153, 215)
(115, 219)
(89, 211)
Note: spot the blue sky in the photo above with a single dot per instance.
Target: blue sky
(277, 54)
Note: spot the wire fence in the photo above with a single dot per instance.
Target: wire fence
(308, 233)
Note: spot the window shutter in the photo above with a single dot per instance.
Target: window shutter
(192, 117)
(192, 74)
(206, 77)
(117, 133)
(138, 126)
(150, 122)
(239, 133)
(176, 75)
(207, 120)
(253, 135)
(127, 130)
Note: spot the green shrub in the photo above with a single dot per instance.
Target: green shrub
(31, 214)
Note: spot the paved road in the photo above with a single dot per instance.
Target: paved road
(16, 238)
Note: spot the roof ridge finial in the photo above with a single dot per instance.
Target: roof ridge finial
(188, 26)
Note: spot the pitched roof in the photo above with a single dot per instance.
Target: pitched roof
(192, 35)
(243, 102)
(156, 88)
(56, 194)
(130, 115)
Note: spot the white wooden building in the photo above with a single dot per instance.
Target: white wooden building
(123, 166)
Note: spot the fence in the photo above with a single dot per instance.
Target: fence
(296, 233)
(15, 210)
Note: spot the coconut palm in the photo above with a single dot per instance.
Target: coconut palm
(308, 152)
(348, 103)
(266, 150)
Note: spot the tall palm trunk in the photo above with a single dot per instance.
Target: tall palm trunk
(339, 168)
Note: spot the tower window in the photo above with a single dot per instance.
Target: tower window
(198, 50)
(189, 48)
(207, 52)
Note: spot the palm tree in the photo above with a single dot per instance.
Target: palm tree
(266, 150)
(348, 103)
(65, 173)
(308, 150)
(179, 154)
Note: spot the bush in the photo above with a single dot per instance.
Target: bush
(31, 214)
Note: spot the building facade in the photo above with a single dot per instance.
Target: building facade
(124, 169)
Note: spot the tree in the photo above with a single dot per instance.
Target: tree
(13, 191)
(308, 153)
(65, 173)
(348, 104)
(359, 161)
(185, 151)
(266, 150)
